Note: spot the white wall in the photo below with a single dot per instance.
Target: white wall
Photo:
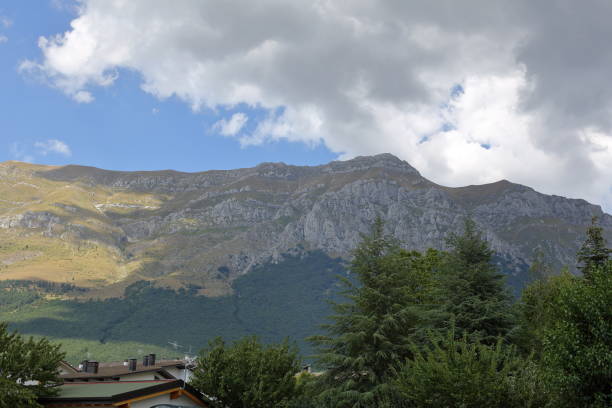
(179, 373)
(182, 400)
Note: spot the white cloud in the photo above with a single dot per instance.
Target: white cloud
(367, 77)
(233, 126)
(6, 22)
(53, 146)
(66, 5)
(83, 97)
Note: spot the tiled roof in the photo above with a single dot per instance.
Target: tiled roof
(117, 392)
(114, 369)
(105, 389)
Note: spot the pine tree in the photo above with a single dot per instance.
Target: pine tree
(370, 334)
(476, 296)
(594, 252)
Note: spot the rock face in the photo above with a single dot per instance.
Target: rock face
(208, 228)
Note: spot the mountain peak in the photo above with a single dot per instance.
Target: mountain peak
(384, 160)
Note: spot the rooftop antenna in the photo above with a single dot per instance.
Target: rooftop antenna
(174, 344)
(190, 364)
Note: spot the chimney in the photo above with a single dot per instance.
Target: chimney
(145, 361)
(151, 359)
(92, 367)
(132, 364)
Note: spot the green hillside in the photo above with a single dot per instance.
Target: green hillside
(288, 299)
(112, 262)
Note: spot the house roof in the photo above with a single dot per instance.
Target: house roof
(114, 369)
(68, 367)
(105, 389)
(119, 391)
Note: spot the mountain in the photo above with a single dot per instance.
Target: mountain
(98, 234)
(105, 229)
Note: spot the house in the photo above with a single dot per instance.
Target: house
(126, 394)
(65, 368)
(149, 369)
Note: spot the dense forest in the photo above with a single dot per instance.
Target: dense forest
(287, 299)
(438, 329)
(405, 329)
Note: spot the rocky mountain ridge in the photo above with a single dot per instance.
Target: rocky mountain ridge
(106, 229)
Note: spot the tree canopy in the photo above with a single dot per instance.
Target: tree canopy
(386, 309)
(247, 374)
(451, 372)
(577, 344)
(28, 369)
(594, 252)
(475, 294)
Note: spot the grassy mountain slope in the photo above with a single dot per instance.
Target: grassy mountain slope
(102, 257)
(288, 299)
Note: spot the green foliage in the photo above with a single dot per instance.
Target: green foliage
(247, 373)
(414, 330)
(566, 322)
(594, 252)
(536, 310)
(461, 373)
(13, 395)
(577, 345)
(43, 286)
(274, 301)
(28, 369)
(474, 291)
(14, 298)
(15, 294)
(370, 334)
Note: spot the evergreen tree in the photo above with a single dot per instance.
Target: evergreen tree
(594, 252)
(475, 292)
(455, 372)
(28, 369)
(247, 374)
(369, 336)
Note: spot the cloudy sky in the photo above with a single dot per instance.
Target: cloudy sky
(468, 92)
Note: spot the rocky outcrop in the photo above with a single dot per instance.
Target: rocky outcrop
(30, 220)
(230, 221)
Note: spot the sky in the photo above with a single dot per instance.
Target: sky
(467, 92)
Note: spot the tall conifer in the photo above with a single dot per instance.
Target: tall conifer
(594, 252)
(476, 296)
(370, 334)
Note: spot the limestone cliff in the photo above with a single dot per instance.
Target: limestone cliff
(105, 229)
